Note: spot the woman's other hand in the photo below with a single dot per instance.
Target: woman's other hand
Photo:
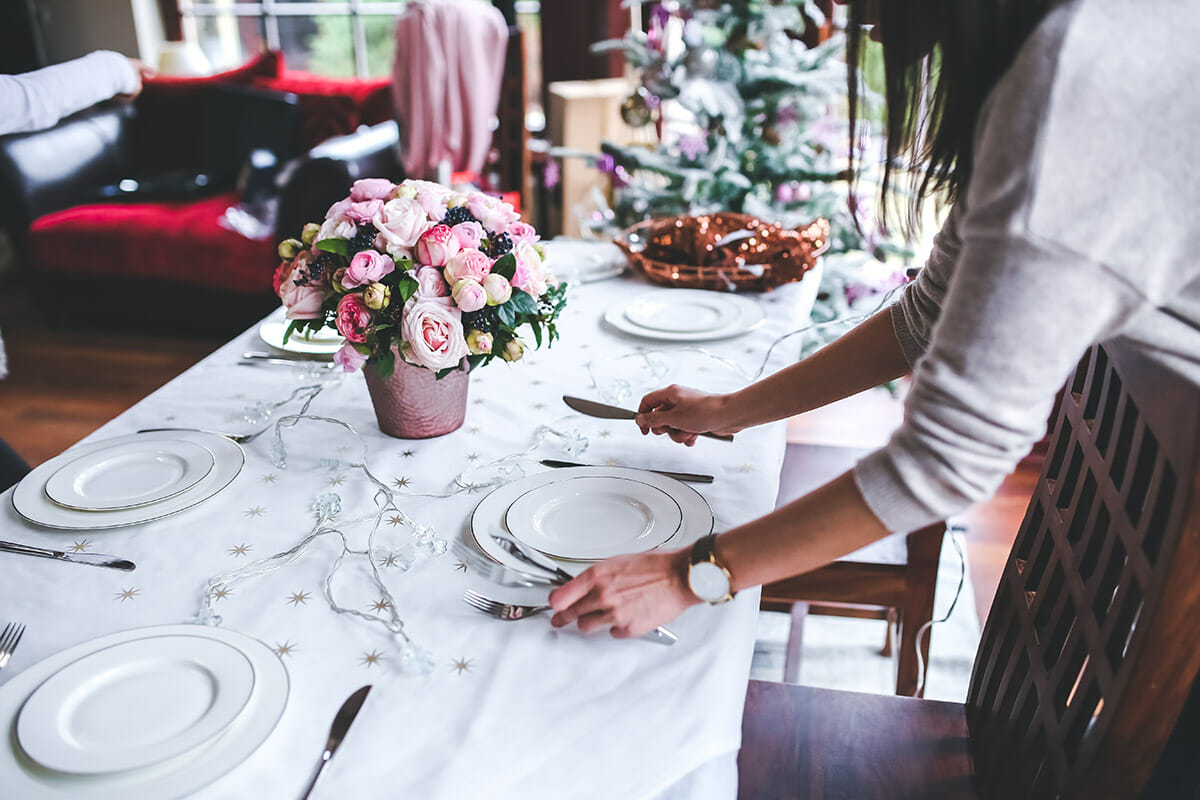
(631, 595)
(683, 414)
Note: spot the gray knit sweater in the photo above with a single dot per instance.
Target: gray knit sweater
(1081, 223)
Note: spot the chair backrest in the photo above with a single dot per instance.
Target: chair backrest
(1093, 640)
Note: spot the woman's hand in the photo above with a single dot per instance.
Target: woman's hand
(631, 595)
(684, 413)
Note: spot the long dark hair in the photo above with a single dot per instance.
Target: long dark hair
(941, 58)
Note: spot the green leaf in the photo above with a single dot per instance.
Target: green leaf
(479, 360)
(385, 363)
(507, 314)
(521, 302)
(291, 328)
(537, 332)
(404, 290)
(506, 265)
(339, 246)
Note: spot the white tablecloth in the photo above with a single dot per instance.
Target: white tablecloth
(510, 709)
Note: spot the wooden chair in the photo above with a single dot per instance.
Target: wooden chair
(894, 580)
(1090, 647)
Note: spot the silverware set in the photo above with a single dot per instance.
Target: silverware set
(91, 559)
(10, 637)
(501, 610)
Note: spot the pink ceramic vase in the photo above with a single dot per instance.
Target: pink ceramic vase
(414, 404)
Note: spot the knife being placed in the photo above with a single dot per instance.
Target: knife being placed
(594, 409)
(679, 476)
(92, 559)
(337, 732)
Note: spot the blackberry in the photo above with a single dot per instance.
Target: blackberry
(498, 244)
(457, 216)
(363, 239)
(326, 264)
(482, 320)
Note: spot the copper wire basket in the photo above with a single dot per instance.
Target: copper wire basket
(723, 251)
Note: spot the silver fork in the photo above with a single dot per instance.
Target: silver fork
(10, 637)
(240, 438)
(500, 610)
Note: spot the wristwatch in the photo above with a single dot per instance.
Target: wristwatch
(708, 578)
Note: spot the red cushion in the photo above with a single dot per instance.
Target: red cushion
(177, 242)
(333, 106)
(268, 64)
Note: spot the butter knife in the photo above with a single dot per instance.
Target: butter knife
(337, 732)
(91, 559)
(604, 411)
(679, 476)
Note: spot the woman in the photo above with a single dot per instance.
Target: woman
(1062, 132)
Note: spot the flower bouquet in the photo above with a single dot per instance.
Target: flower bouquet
(420, 271)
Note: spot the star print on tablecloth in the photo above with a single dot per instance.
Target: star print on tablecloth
(536, 382)
(472, 456)
(409, 453)
(604, 434)
(745, 468)
(269, 478)
(395, 519)
(474, 429)
(611, 462)
(381, 605)
(460, 566)
(478, 401)
(127, 594)
(462, 665)
(336, 480)
(400, 482)
(390, 560)
(285, 649)
(81, 545)
(299, 597)
(222, 593)
(372, 658)
(257, 511)
(170, 418)
(539, 406)
(240, 550)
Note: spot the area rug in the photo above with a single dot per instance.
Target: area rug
(845, 653)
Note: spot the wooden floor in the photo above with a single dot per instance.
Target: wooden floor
(65, 383)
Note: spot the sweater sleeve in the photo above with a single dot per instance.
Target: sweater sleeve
(917, 310)
(36, 100)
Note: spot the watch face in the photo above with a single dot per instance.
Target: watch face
(708, 581)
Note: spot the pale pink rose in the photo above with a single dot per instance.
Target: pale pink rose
(513, 351)
(431, 285)
(522, 232)
(367, 266)
(412, 187)
(353, 318)
(434, 203)
(437, 246)
(479, 342)
(467, 264)
(401, 223)
(371, 189)
(348, 358)
(433, 334)
(498, 289)
(363, 212)
(336, 228)
(469, 234)
(531, 275)
(492, 212)
(469, 295)
(338, 210)
(302, 302)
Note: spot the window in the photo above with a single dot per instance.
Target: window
(340, 38)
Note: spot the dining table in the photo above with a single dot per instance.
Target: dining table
(344, 554)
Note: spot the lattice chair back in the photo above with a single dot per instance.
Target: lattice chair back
(1093, 640)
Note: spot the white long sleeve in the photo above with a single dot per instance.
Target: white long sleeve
(36, 100)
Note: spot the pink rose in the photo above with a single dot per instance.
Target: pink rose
(469, 234)
(469, 295)
(364, 212)
(494, 213)
(530, 275)
(467, 264)
(302, 302)
(433, 335)
(431, 285)
(371, 189)
(436, 246)
(338, 210)
(367, 266)
(433, 202)
(348, 358)
(401, 223)
(522, 232)
(498, 289)
(353, 318)
(336, 228)
(282, 273)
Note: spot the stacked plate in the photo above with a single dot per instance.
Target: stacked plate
(148, 713)
(685, 315)
(128, 480)
(579, 515)
(324, 342)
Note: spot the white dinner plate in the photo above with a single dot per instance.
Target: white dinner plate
(130, 474)
(685, 315)
(489, 514)
(592, 518)
(183, 775)
(135, 704)
(30, 500)
(324, 342)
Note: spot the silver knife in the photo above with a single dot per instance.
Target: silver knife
(337, 732)
(91, 559)
(285, 362)
(561, 576)
(594, 409)
(679, 476)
